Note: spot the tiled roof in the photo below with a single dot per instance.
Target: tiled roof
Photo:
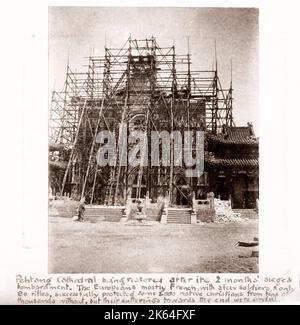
(235, 135)
(231, 162)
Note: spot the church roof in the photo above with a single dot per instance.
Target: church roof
(235, 135)
(212, 160)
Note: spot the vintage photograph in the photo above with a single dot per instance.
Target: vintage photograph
(153, 140)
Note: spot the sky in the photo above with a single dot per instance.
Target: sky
(77, 32)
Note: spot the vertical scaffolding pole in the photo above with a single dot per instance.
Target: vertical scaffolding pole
(172, 126)
(122, 121)
(92, 148)
(188, 93)
(72, 150)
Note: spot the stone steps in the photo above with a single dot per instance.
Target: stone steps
(179, 216)
(103, 213)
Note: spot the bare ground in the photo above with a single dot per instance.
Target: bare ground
(103, 247)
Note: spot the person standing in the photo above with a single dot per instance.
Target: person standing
(81, 209)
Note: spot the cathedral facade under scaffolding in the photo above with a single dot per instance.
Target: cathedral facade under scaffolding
(147, 89)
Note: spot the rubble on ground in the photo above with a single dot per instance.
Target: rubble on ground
(224, 212)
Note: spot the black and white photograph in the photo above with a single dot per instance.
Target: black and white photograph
(149, 155)
(153, 140)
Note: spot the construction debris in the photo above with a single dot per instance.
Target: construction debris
(224, 212)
